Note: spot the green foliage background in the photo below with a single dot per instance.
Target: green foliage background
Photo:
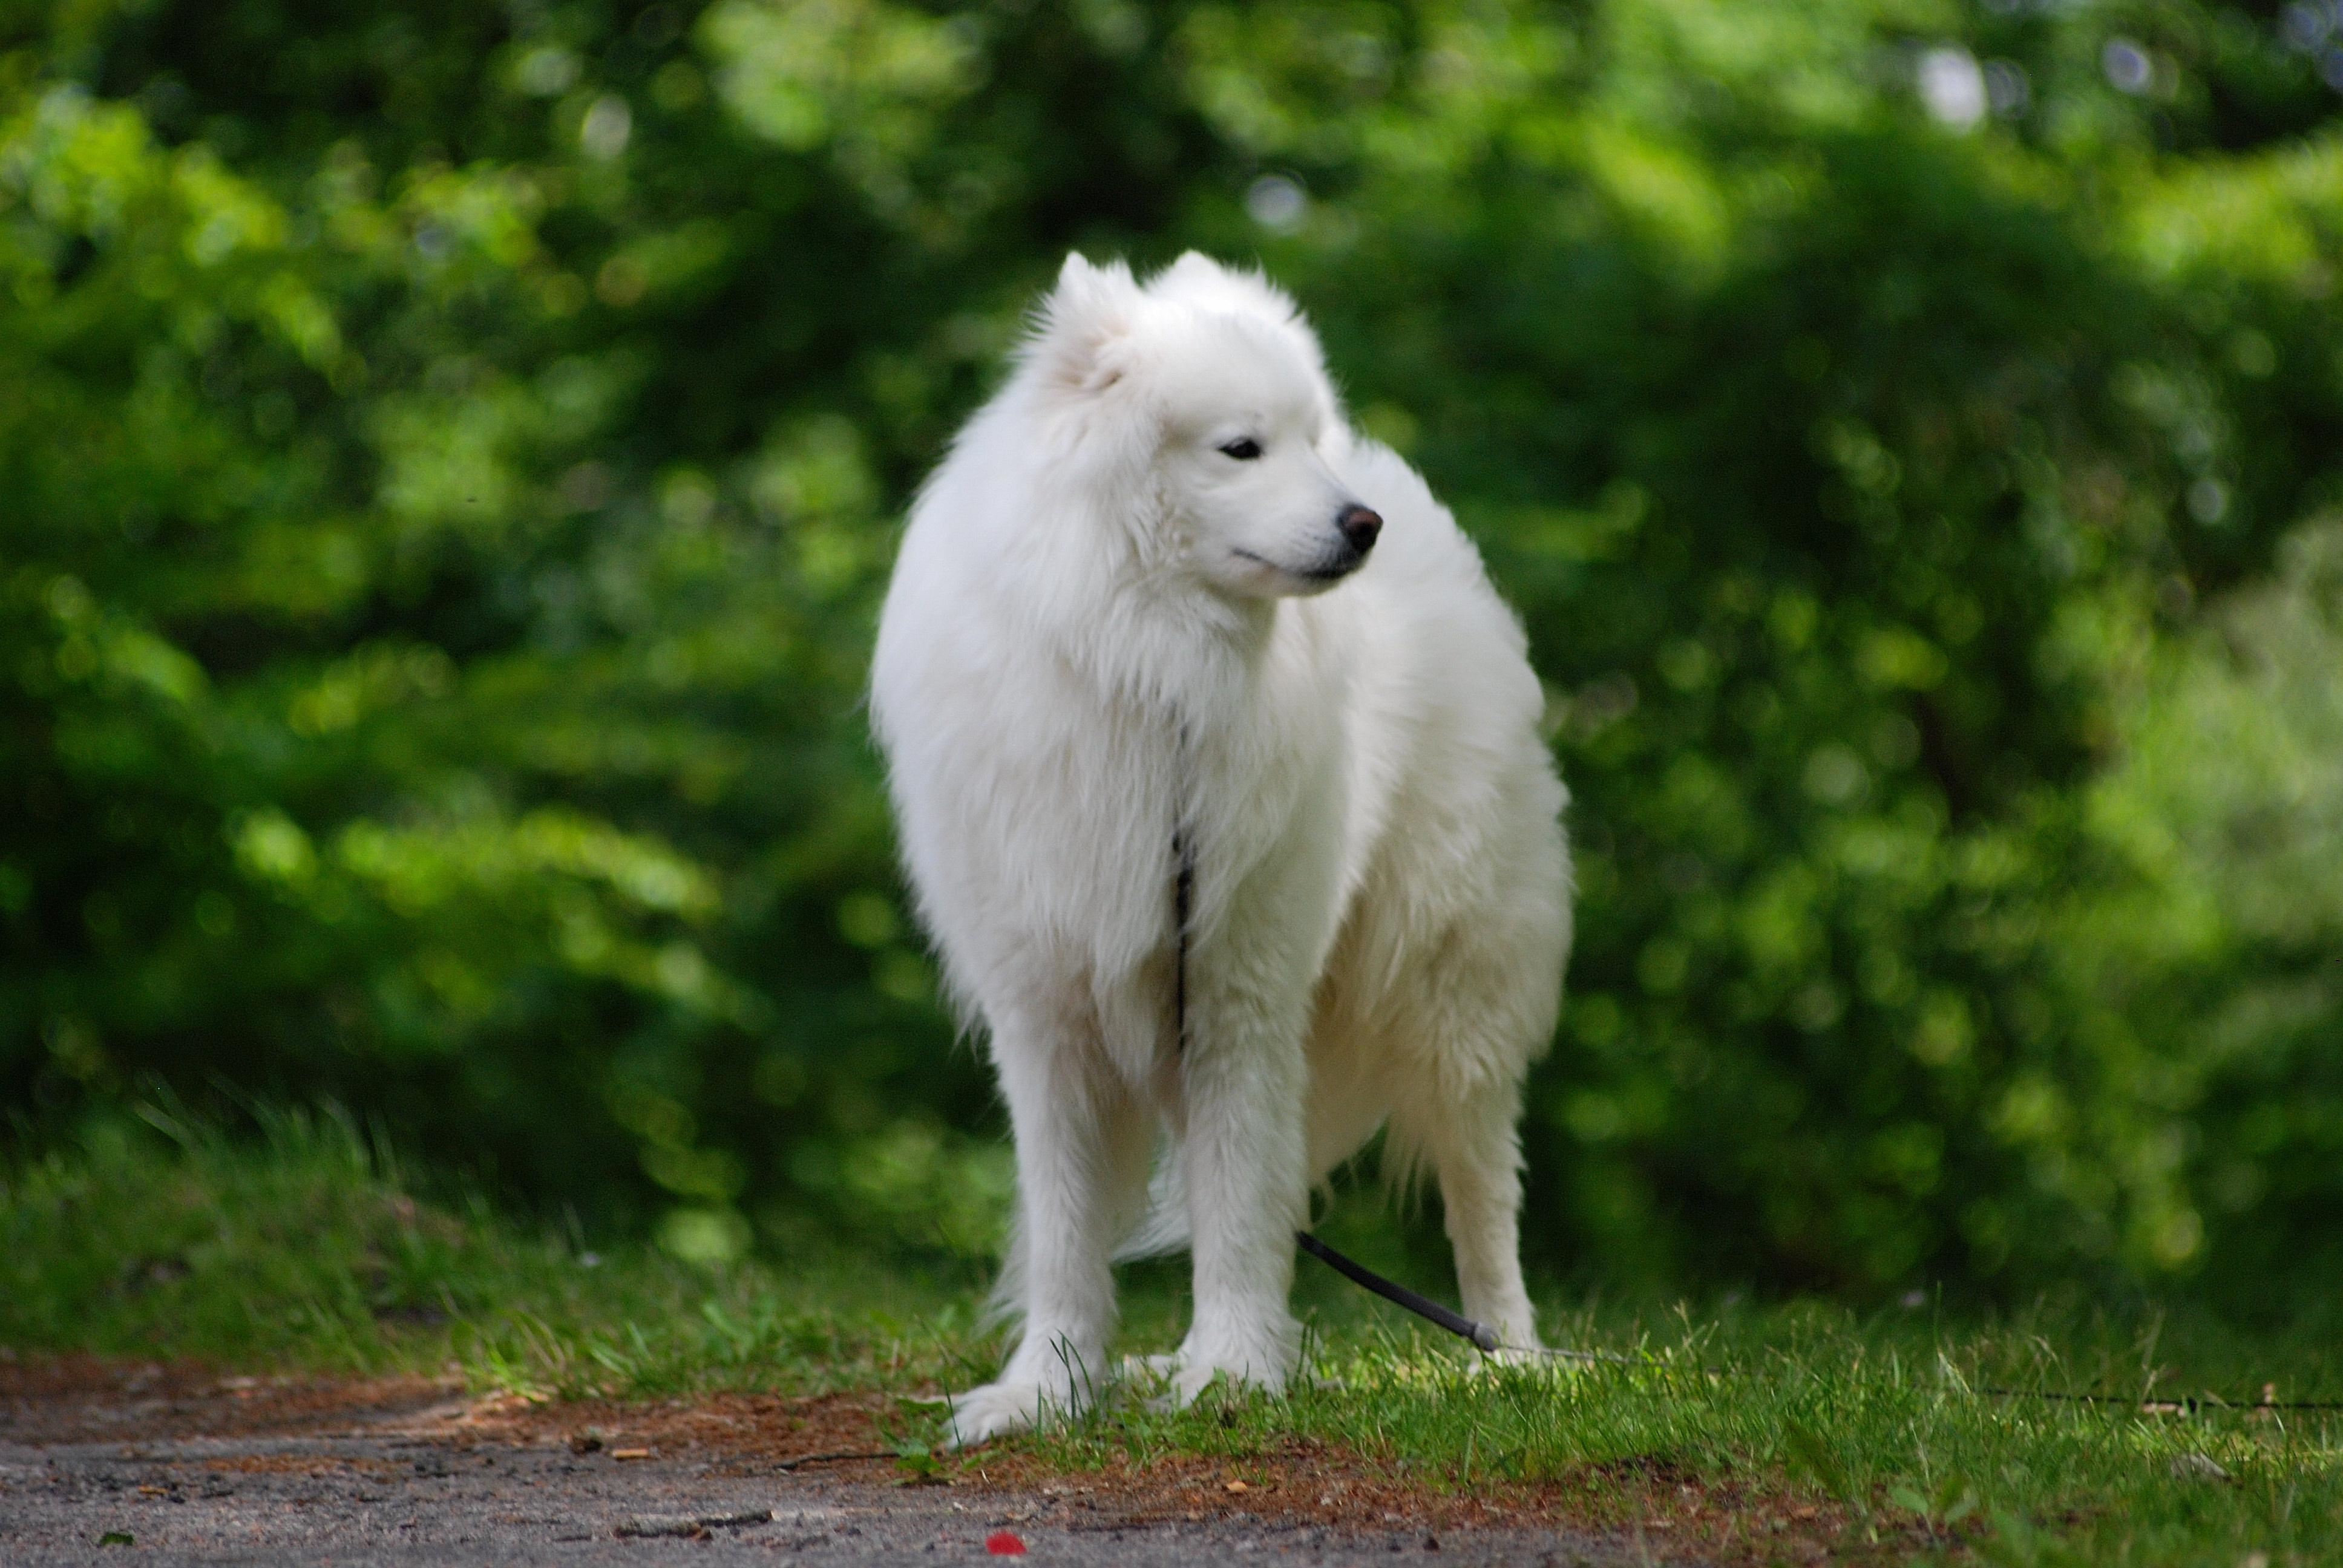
(449, 456)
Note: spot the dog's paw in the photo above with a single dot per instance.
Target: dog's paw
(1149, 1379)
(1192, 1379)
(1175, 1381)
(1152, 1381)
(1168, 1384)
(994, 1410)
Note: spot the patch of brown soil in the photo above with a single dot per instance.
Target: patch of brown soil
(1676, 1513)
(82, 1399)
(750, 1434)
(1300, 1479)
(298, 1464)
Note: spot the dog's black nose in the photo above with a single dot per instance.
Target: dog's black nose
(1359, 527)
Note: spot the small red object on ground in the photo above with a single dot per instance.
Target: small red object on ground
(1004, 1543)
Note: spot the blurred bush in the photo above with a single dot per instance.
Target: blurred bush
(450, 455)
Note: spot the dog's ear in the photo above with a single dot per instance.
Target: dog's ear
(1199, 280)
(1087, 318)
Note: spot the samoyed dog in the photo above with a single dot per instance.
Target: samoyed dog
(1217, 765)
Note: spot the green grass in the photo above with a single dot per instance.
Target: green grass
(306, 1249)
(1886, 1417)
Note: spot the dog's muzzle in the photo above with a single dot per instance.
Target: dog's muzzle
(1359, 528)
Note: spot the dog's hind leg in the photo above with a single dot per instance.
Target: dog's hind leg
(1081, 1167)
(1471, 1143)
(1480, 1007)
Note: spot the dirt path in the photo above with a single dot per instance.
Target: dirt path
(191, 1468)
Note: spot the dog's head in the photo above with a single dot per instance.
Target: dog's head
(1205, 392)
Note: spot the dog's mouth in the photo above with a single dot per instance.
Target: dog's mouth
(1324, 571)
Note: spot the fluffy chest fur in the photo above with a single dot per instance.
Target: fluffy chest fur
(1044, 763)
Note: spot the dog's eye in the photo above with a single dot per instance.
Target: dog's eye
(1245, 449)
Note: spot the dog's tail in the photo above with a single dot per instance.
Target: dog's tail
(1163, 1226)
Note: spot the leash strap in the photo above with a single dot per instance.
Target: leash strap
(1424, 1307)
(1183, 892)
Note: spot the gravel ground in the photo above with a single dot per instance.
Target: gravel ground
(98, 1468)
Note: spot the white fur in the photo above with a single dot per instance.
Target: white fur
(1102, 624)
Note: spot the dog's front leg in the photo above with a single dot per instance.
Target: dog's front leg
(1082, 1165)
(1242, 1079)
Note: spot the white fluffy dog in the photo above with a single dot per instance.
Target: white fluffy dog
(1168, 640)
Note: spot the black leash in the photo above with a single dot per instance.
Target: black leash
(1183, 892)
(2184, 1404)
(1424, 1307)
